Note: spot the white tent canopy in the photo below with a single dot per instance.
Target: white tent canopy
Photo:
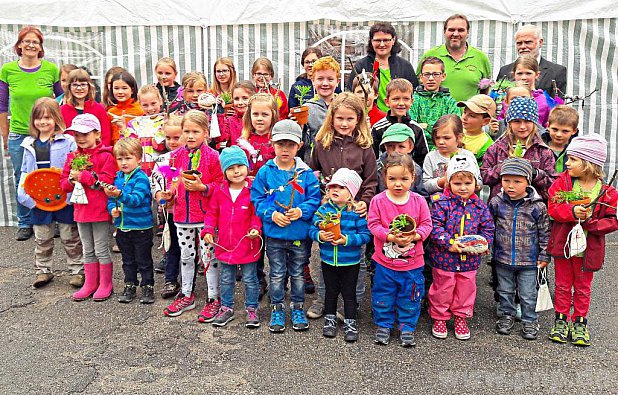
(240, 12)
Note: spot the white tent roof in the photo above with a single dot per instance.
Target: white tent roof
(234, 12)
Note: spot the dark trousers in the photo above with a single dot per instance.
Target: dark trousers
(136, 250)
(340, 280)
(172, 257)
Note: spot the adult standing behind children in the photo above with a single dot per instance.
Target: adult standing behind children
(383, 60)
(22, 82)
(529, 40)
(465, 65)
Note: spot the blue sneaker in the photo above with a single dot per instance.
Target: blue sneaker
(277, 318)
(299, 319)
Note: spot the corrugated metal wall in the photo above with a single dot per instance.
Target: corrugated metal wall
(586, 47)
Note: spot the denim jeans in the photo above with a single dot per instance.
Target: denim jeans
(286, 256)
(16, 152)
(228, 282)
(136, 250)
(522, 279)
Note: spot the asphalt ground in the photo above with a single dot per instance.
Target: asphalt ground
(51, 344)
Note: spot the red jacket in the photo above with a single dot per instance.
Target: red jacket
(231, 246)
(232, 129)
(190, 207)
(602, 222)
(90, 107)
(103, 169)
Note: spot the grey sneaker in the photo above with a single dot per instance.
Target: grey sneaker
(529, 330)
(504, 326)
(317, 309)
(383, 336)
(350, 329)
(224, 316)
(330, 326)
(407, 339)
(147, 295)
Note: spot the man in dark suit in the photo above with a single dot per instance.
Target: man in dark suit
(529, 40)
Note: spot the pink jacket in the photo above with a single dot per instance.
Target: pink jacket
(189, 207)
(103, 169)
(230, 221)
(232, 129)
(381, 212)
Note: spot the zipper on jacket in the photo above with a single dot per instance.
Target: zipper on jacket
(513, 233)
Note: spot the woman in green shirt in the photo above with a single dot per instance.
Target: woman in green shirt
(22, 82)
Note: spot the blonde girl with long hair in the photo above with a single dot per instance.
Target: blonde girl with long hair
(257, 125)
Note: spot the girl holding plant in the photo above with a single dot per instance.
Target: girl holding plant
(339, 250)
(521, 139)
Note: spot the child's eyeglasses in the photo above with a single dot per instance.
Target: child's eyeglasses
(222, 71)
(261, 75)
(309, 62)
(79, 85)
(434, 75)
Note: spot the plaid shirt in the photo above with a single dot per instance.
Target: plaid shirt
(427, 107)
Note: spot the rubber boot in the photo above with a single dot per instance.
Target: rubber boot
(91, 282)
(106, 286)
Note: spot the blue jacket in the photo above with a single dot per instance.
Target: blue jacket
(352, 226)
(134, 201)
(522, 230)
(271, 185)
(452, 217)
(59, 149)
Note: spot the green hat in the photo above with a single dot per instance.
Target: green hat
(397, 133)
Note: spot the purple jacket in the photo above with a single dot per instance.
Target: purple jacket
(189, 207)
(539, 154)
(448, 214)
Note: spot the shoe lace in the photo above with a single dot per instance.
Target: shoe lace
(277, 317)
(252, 314)
(213, 307)
(298, 315)
(579, 330)
(560, 326)
(349, 327)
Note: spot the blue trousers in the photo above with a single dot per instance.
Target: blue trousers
(402, 290)
(286, 256)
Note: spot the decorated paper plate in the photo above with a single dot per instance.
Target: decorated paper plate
(473, 243)
(43, 186)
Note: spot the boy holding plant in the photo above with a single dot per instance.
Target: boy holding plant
(339, 250)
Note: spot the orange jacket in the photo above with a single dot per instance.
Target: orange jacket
(129, 107)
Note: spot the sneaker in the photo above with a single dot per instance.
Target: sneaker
(406, 339)
(170, 289)
(181, 304)
(529, 330)
(77, 280)
(316, 310)
(210, 311)
(128, 294)
(224, 316)
(147, 295)
(504, 325)
(462, 332)
(42, 279)
(253, 318)
(277, 318)
(160, 266)
(439, 329)
(263, 291)
(24, 234)
(383, 336)
(309, 285)
(579, 332)
(560, 331)
(330, 326)
(350, 330)
(299, 319)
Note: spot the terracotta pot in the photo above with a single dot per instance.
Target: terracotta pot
(228, 107)
(301, 114)
(334, 227)
(190, 174)
(580, 202)
(411, 228)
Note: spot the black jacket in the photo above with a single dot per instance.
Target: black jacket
(399, 68)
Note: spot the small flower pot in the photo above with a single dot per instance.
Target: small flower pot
(191, 174)
(301, 114)
(580, 202)
(408, 230)
(334, 228)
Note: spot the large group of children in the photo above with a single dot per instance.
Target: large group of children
(233, 184)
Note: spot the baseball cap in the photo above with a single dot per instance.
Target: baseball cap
(84, 123)
(480, 104)
(397, 133)
(287, 129)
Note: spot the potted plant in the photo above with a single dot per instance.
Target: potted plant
(403, 224)
(571, 197)
(80, 162)
(301, 112)
(194, 157)
(228, 103)
(330, 222)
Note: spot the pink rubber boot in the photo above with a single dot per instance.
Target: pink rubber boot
(91, 282)
(106, 286)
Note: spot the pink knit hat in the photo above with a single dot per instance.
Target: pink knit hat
(348, 179)
(591, 147)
